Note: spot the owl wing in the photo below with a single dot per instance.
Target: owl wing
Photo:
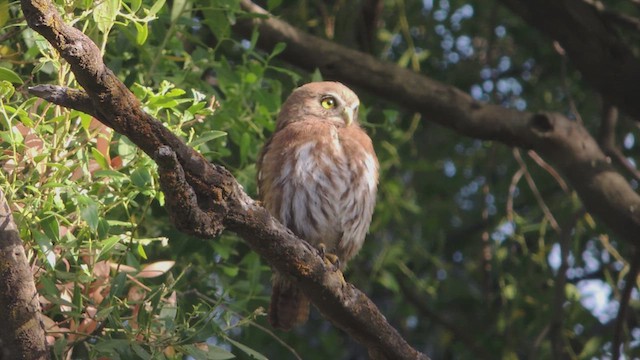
(357, 204)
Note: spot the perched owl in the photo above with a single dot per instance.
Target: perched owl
(318, 174)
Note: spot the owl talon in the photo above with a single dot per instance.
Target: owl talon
(329, 259)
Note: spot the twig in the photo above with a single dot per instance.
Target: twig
(515, 179)
(534, 189)
(559, 298)
(250, 322)
(630, 283)
(548, 168)
(565, 81)
(607, 140)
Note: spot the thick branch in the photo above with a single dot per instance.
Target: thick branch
(209, 194)
(22, 331)
(567, 144)
(595, 49)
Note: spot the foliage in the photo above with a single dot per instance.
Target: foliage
(466, 233)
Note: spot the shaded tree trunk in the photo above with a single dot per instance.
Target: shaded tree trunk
(22, 332)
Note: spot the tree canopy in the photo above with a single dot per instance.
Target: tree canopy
(507, 216)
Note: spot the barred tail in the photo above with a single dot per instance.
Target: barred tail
(289, 306)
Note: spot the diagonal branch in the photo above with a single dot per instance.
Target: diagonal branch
(208, 193)
(594, 47)
(574, 152)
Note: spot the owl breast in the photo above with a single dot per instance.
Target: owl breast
(323, 184)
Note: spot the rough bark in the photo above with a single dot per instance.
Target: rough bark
(565, 143)
(203, 198)
(22, 332)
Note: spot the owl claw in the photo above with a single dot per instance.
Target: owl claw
(329, 259)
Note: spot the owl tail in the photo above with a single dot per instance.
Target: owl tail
(289, 306)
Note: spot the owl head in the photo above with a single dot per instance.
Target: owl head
(323, 101)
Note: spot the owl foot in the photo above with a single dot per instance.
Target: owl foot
(329, 259)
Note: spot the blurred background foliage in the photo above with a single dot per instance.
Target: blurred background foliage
(476, 250)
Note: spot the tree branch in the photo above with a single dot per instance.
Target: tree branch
(607, 140)
(557, 338)
(22, 331)
(593, 46)
(211, 194)
(621, 320)
(574, 152)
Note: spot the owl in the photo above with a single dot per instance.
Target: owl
(318, 174)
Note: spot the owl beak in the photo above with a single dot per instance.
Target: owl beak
(350, 114)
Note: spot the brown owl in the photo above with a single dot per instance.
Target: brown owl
(318, 175)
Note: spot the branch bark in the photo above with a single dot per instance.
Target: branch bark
(593, 46)
(203, 198)
(567, 144)
(22, 332)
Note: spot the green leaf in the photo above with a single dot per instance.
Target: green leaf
(127, 150)
(389, 281)
(141, 251)
(118, 285)
(107, 245)
(89, 213)
(231, 271)
(178, 7)
(317, 75)
(207, 136)
(141, 177)
(140, 351)
(591, 348)
(51, 228)
(4, 12)
(135, 5)
(10, 75)
(99, 158)
(142, 32)
(104, 14)
(272, 4)
(217, 22)
(247, 350)
(213, 353)
(6, 89)
(278, 49)
(103, 228)
(46, 247)
(156, 7)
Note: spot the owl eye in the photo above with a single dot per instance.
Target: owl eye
(328, 102)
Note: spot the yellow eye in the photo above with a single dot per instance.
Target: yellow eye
(328, 102)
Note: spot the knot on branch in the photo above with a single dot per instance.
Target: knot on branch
(181, 200)
(542, 122)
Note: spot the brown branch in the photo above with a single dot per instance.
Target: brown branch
(607, 140)
(63, 96)
(22, 331)
(559, 298)
(625, 297)
(548, 168)
(575, 153)
(209, 195)
(595, 49)
(536, 193)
